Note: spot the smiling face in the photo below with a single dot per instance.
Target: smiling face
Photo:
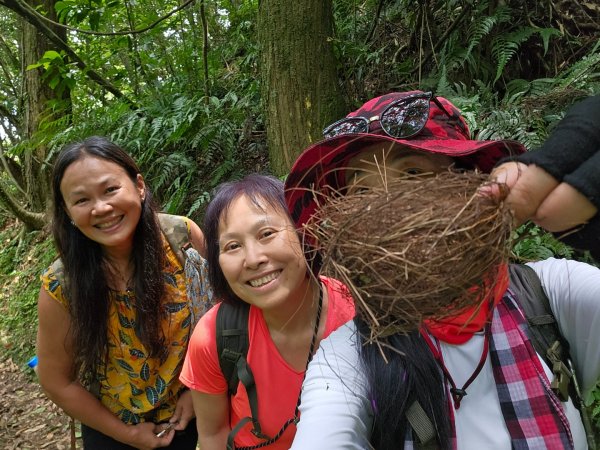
(102, 201)
(381, 162)
(260, 255)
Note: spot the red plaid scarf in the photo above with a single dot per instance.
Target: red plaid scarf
(534, 416)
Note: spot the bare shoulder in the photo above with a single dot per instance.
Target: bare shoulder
(54, 344)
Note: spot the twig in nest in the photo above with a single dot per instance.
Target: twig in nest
(417, 248)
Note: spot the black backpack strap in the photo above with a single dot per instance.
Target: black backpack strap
(527, 287)
(543, 328)
(232, 348)
(232, 340)
(548, 341)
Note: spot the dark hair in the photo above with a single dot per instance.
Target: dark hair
(410, 374)
(85, 283)
(257, 188)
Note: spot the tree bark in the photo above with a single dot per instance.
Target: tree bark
(31, 220)
(39, 94)
(300, 88)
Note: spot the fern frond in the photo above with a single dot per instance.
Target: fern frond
(504, 47)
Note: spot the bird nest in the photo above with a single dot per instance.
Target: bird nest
(415, 249)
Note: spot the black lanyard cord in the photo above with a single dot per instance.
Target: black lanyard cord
(256, 428)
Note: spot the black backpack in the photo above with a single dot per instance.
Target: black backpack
(232, 348)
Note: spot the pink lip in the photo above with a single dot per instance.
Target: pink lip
(115, 221)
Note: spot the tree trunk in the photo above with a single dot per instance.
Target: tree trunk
(300, 87)
(39, 94)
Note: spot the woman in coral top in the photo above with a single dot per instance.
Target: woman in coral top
(255, 256)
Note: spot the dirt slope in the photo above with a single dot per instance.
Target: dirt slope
(28, 420)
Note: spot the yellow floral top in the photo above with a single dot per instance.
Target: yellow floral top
(133, 386)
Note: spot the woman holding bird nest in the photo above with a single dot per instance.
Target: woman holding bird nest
(463, 374)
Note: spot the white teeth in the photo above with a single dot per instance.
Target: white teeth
(264, 280)
(108, 224)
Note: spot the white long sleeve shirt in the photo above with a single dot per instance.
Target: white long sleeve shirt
(336, 412)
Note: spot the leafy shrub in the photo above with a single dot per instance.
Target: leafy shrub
(23, 257)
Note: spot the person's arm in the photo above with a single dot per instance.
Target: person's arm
(212, 419)
(573, 288)
(335, 411)
(537, 196)
(558, 185)
(201, 373)
(55, 370)
(184, 411)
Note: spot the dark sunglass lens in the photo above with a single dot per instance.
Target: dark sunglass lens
(406, 119)
(346, 126)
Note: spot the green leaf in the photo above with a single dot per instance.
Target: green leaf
(546, 34)
(135, 353)
(161, 385)
(55, 81)
(125, 322)
(135, 390)
(152, 395)
(136, 403)
(125, 338)
(59, 6)
(52, 54)
(94, 19)
(125, 365)
(145, 372)
(34, 66)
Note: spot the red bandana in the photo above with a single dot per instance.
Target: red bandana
(461, 327)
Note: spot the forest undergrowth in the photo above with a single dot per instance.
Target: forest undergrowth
(28, 419)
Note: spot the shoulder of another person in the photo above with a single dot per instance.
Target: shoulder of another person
(177, 232)
(334, 286)
(170, 223)
(57, 265)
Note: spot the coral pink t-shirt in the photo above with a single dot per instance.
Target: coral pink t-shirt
(277, 384)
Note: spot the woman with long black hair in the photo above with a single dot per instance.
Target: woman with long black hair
(114, 313)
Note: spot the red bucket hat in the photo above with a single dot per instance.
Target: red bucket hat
(320, 170)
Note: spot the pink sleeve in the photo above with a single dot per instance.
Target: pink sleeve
(201, 370)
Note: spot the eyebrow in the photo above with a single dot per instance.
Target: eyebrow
(258, 224)
(102, 182)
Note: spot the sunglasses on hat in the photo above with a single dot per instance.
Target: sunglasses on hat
(402, 119)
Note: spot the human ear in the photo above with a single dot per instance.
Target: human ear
(140, 186)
